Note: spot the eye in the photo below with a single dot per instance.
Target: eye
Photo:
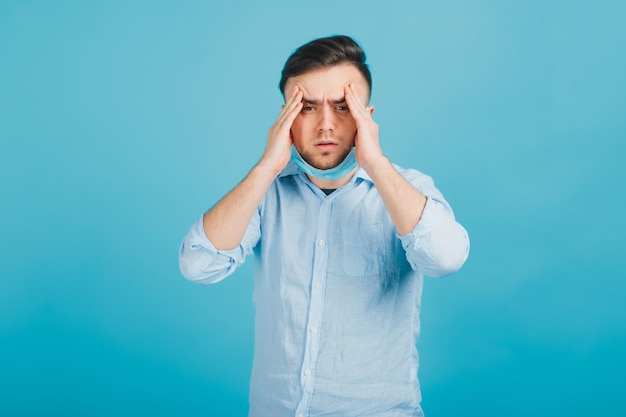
(307, 109)
(342, 108)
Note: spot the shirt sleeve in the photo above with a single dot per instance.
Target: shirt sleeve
(438, 245)
(199, 260)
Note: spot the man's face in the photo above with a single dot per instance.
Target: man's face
(324, 131)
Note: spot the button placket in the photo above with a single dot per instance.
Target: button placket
(318, 279)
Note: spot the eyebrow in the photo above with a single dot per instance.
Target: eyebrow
(316, 102)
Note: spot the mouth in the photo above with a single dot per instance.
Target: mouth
(325, 145)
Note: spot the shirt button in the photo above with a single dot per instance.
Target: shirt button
(307, 372)
(327, 201)
(318, 285)
(301, 415)
(322, 242)
(313, 329)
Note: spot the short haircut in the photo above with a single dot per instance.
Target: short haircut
(322, 53)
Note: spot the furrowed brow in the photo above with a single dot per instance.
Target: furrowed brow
(310, 101)
(317, 102)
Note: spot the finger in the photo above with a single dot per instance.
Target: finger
(356, 100)
(294, 95)
(357, 110)
(294, 106)
(291, 101)
(291, 108)
(293, 113)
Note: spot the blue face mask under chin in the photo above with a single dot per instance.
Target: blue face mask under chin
(344, 168)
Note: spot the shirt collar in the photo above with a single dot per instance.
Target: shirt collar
(290, 169)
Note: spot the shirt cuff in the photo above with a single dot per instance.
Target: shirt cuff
(198, 239)
(431, 216)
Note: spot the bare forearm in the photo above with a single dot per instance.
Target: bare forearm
(403, 201)
(226, 223)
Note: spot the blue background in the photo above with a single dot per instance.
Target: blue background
(122, 121)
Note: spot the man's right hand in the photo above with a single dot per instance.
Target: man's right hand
(278, 149)
(226, 223)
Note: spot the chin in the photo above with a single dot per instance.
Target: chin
(326, 162)
(326, 166)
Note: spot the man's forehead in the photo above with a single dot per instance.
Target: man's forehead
(333, 77)
(328, 81)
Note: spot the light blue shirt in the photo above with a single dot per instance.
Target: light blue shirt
(337, 294)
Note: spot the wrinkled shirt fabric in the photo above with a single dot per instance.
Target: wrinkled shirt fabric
(337, 294)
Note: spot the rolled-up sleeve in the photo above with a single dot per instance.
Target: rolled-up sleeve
(199, 260)
(438, 245)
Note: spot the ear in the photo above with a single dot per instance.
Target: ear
(370, 110)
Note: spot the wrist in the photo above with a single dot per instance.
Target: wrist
(376, 164)
(268, 168)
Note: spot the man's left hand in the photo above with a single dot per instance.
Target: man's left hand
(368, 150)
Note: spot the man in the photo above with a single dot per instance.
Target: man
(341, 240)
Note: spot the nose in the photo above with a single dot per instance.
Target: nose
(326, 121)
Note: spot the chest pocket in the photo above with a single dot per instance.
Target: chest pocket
(363, 250)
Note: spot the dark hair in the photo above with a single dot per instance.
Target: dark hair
(325, 52)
